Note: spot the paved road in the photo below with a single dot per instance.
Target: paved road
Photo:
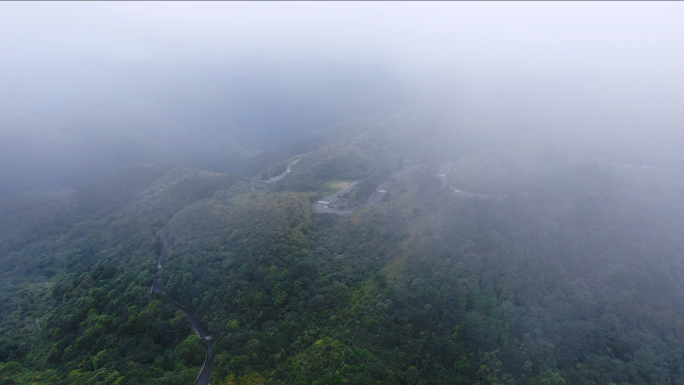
(379, 193)
(197, 325)
(281, 176)
(321, 206)
(444, 169)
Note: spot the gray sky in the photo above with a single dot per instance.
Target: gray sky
(409, 35)
(604, 73)
(623, 54)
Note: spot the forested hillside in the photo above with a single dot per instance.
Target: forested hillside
(341, 193)
(574, 277)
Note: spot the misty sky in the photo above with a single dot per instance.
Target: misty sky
(623, 56)
(36, 36)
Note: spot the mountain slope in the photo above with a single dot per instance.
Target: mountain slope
(574, 277)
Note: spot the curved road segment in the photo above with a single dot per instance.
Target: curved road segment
(281, 176)
(197, 325)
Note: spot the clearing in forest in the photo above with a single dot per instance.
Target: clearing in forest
(337, 185)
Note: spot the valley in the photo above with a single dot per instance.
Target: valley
(197, 325)
(341, 193)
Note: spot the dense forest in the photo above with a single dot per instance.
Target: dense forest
(573, 276)
(366, 193)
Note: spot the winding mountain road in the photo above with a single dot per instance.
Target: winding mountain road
(281, 176)
(197, 325)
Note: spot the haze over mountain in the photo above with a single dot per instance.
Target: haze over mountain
(330, 193)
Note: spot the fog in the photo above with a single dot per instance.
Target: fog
(233, 80)
(341, 192)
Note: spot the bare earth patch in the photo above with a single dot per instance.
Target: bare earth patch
(337, 185)
(341, 185)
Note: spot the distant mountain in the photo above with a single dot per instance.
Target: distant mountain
(217, 119)
(573, 277)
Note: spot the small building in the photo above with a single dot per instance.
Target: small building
(339, 203)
